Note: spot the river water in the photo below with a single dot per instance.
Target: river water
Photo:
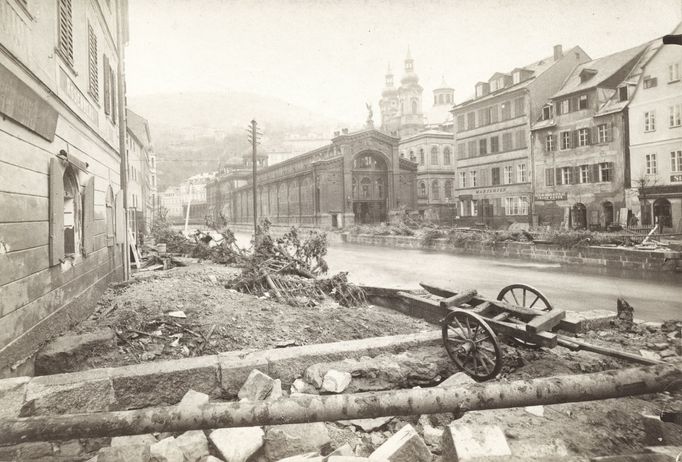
(655, 297)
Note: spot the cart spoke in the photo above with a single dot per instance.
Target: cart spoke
(514, 295)
(524, 297)
(537, 297)
(468, 327)
(483, 363)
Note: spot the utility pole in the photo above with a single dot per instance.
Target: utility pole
(254, 135)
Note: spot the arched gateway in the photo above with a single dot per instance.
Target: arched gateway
(369, 192)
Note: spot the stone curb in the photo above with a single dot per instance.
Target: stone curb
(165, 382)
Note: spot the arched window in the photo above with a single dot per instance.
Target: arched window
(446, 155)
(414, 106)
(448, 189)
(421, 156)
(422, 189)
(412, 157)
(434, 155)
(435, 190)
(379, 182)
(365, 184)
(72, 213)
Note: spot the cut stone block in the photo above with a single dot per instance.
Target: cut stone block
(237, 444)
(257, 386)
(12, 392)
(276, 392)
(235, 367)
(404, 446)
(336, 381)
(345, 450)
(132, 453)
(193, 399)
(368, 425)
(583, 321)
(464, 442)
(132, 440)
(457, 379)
(68, 353)
(193, 445)
(432, 435)
(166, 450)
(288, 440)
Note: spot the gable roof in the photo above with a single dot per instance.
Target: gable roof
(139, 128)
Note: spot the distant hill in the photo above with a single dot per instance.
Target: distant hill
(193, 132)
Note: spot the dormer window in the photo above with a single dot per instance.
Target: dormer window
(586, 74)
(547, 112)
(623, 93)
(482, 89)
(516, 77)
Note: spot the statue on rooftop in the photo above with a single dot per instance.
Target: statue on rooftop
(370, 114)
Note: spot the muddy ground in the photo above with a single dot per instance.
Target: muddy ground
(139, 312)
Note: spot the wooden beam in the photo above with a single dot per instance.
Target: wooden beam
(548, 320)
(438, 291)
(545, 339)
(570, 342)
(459, 299)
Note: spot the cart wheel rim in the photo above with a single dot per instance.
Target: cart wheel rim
(472, 345)
(525, 296)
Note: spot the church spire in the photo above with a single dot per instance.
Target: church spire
(409, 62)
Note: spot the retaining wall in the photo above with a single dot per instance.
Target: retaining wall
(608, 257)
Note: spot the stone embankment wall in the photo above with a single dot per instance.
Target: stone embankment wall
(607, 257)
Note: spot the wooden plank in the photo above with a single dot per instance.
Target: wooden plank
(18, 207)
(17, 265)
(18, 180)
(545, 339)
(89, 217)
(22, 236)
(459, 299)
(524, 314)
(56, 180)
(120, 219)
(570, 342)
(22, 154)
(546, 321)
(438, 291)
(421, 307)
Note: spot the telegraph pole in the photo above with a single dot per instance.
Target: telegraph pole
(253, 137)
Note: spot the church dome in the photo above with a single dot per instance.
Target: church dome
(410, 78)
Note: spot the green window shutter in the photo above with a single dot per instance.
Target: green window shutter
(120, 219)
(89, 217)
(56, 202)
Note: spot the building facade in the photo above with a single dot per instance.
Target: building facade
(655, 124)
(492, 137)
(358, 178)
(581, 146)
(62, 221)
(401, 107)
(141, 173)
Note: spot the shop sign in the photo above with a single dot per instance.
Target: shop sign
(554, 196)
(490, 190)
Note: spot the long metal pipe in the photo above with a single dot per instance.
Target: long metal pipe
(313, 408)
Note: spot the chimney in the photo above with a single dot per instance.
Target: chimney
(344, 131)
(558, 52)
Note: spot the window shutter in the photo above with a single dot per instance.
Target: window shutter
(56, 184)
(588, 138)
(594, 135)
(574, 175)
(89, 217)
(112, 89)
(549, 176)
(558, 176)
(612, 172)
(595, 173)
(574, 140)
(120, 219)
(66, 30)
(107, 82)
(609, 135)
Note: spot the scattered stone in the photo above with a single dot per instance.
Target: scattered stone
(432, 435)
(649, 354)
(367, 425)
(308, 457)
(578, 322)
(276, 392)
(335, 381)
(462, 442)
(672, 451)
(460, 378)
(625, 311)
(193, 445)
(68, 353)
(70, 448)
(12, 393)
(257, 386)
(652, 326)
(667, 353)
(165, 450)
(132, 440)
(302, 387)
(193, 399)
(288, 440)
(404, 446)
(132, 453)
(345, 450)
(213, 278)
(237, 444)
(177, 314)
(660, 346)
(535, 410)
(377, 439)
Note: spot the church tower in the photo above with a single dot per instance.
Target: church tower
(444, 94)
(410, 95)
(389, 106)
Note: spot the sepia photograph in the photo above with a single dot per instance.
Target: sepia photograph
(341, 230)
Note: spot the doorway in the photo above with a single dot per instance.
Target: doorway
(579, 215)
(663, 213)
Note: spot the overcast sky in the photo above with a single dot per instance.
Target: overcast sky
(331, 56)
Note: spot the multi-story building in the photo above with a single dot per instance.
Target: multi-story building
(655, 123)
(492, 136)
(581, 147)
(62, 220)
(141, 175)
(170, 202)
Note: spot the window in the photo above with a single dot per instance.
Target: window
(547, 112)
(460, 123)
(676, 161)
(521, 176)
(549, 143)
(462, 179)
(365, 185)
(494, 144)
(434, 155)
(674, 72)
(482, 146)
(471, 120)
(674, 119)
(65, 41)
(507, 142)
(495, 175)
(582, 102)
(583, 136)
(446, 155)
(379, 184)
(421, 156)
(584, 174)
(472, 148)
(623, 93)
(461, 150)
(422, 189)
(412, 156)
(435, 190)
(483, 117)
(516, 205)
(605, 171)
(448, 189)
(472, 177)
(650, 82)
(565, 140)
(93, 81)
(549, 177)
(564, 107)
(506, 110)
(72, 214)
(651, 164)
(474, 208)
(649, 121)
(520, 139)
(508, 174)
(602, 133)
(519, 107)
(566, 175)
(492, 114)
(516, 77)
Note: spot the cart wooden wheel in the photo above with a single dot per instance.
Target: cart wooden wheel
(524, 296)
(472, 345)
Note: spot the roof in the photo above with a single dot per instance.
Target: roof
(601, 70)
(426, 133)
(139, 128)
(438, 114)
